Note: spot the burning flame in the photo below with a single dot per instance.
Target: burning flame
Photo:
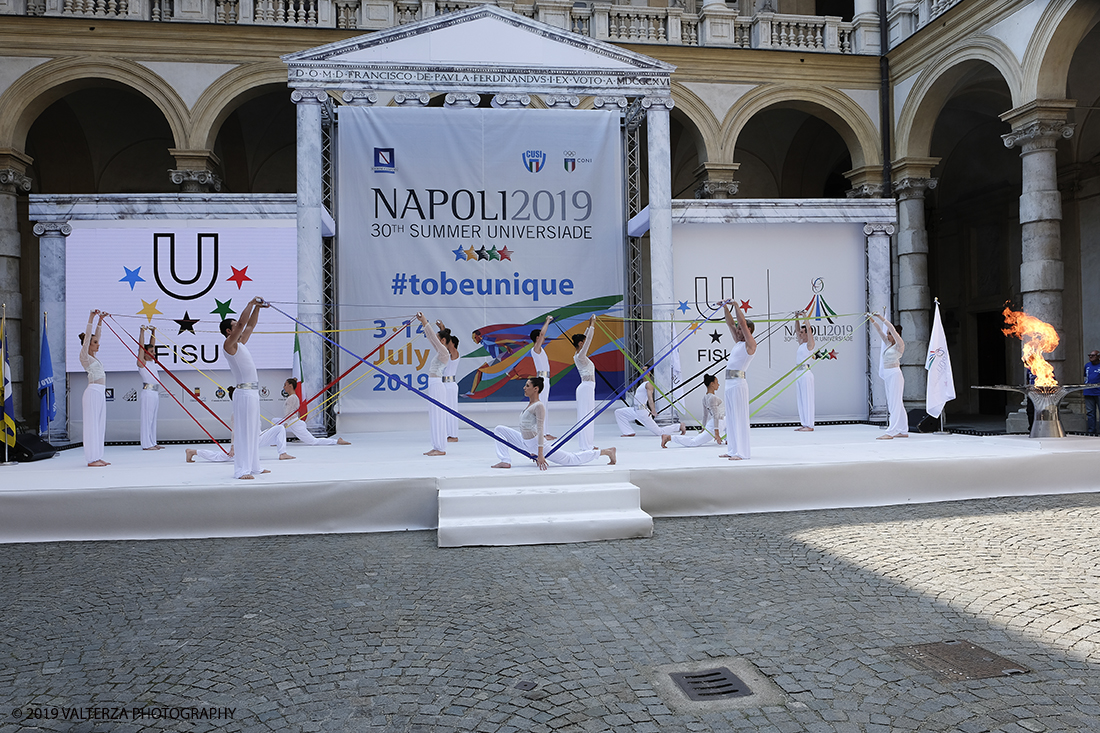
(1038, 338)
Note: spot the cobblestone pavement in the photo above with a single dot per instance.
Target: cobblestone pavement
(387, 632)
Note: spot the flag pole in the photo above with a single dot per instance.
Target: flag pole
(49, 422)
(3, 390)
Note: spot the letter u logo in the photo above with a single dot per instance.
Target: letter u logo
(183, 288)
(702, 294)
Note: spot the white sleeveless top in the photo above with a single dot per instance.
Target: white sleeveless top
(739, 357)
(242, 366)
(891, 357)
(532, 421)
(542, 361)
(714, 408)
(451, 368)
(641, 397)
(150, 373)
(585, 367)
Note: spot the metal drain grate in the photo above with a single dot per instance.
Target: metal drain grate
(711, 684)
(954, 661)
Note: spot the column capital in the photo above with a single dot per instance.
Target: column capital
(461, 101)
(412, 100)
(715, 180)
(562, 100)
(1038, 134)
(514, 101)
(649, 102)
(13, 181)
(52, 228)
(717, 189)
(865, 191)
(359, 98)
(601, 102)
(913, 188)
(866, 182)
(873, 229)
(195, 181)
(308, 96)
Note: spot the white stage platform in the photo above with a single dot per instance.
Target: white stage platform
(383, 483)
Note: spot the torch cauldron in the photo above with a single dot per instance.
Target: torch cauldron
(1047, 424)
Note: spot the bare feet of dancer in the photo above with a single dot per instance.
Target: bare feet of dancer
(99, 464)
(284, 457)
(502, 464)
(191, 453)
(341, 441)
(665, 439)
(803, 429)
(155, 447)
(683, 429)
(434, 452)
(610, 453)
(885, 437)
(452, 439)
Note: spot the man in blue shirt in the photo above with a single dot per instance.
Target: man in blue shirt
(1092, 395)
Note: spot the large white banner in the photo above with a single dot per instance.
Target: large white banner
(487, 220)
(775, 270)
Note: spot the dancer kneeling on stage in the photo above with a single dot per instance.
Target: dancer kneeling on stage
(889, 369)
(737, 386)
(149, 399)
(714, 418)
(532, 435)
(644, 410)
(297, 426)
(275, 435)
(95, 394)
(437, 416)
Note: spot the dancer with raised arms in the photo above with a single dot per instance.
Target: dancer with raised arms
(804, 385)
(714, 419)
(737, 385)
(889, 370)
(149, 398)
(586, 388)
(532, 435)
(441, 356)
(95, 394)
(246, 398)
(450, 383)
(644, 410)
(542, 364)
(295, 425)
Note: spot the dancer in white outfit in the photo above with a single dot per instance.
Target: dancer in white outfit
(149, 399)
(644, 410)
(542, 366)
(586, 389)
(804, 385)
(275, 435)
(532, 435)
(296, 425)
(714, 419)
(246, 398)
(890, 371)
(95, 395)
(450, 383)
(737, 385)
(436, 415)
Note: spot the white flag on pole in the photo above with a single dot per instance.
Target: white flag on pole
(941, 382)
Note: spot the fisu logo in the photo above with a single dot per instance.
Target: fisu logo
(182, 287)
(703, 304)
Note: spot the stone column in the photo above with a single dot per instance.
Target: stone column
(310, 255)
(195, 172)
(865, 28)
(51, 294)
(878, 300)
(914, 300)
(659, 155)
(716, 180)
(13, 181)
(1037, 128)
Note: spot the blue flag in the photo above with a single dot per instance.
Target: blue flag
(48, 409)
(7, 415)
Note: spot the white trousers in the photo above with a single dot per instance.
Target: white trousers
(737, 418)
(804, 391)
(95, 421)
(246, 432)
(704, 437)
(895, 402)
(626, 416)
(275, 435)
(214, 456)
(586, 405)
(299, 430)
(452, 402)
(437, 416)
(531, 445)
(149, 400)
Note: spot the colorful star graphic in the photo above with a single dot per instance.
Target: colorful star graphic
(493, 254)
(683, 307)
(239, 276)
(505, 253)
(133, 277)
(470, 253)
(695, 326)
(187, 323)
(716, 337)
(832, 354)
(149, 310)
(483, 254)
(745, 305)
(223, 309)
(460, 254)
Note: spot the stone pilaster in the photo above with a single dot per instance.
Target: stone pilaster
(715, 180)
(878, 301)
(51, 295)
(196, 171)
(310, 254)
(462, 101)
(659, 155)
(13, 181)
(1036, 130)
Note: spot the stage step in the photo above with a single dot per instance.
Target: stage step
(542, 510)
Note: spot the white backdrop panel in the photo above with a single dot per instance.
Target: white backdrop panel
(778, 269)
